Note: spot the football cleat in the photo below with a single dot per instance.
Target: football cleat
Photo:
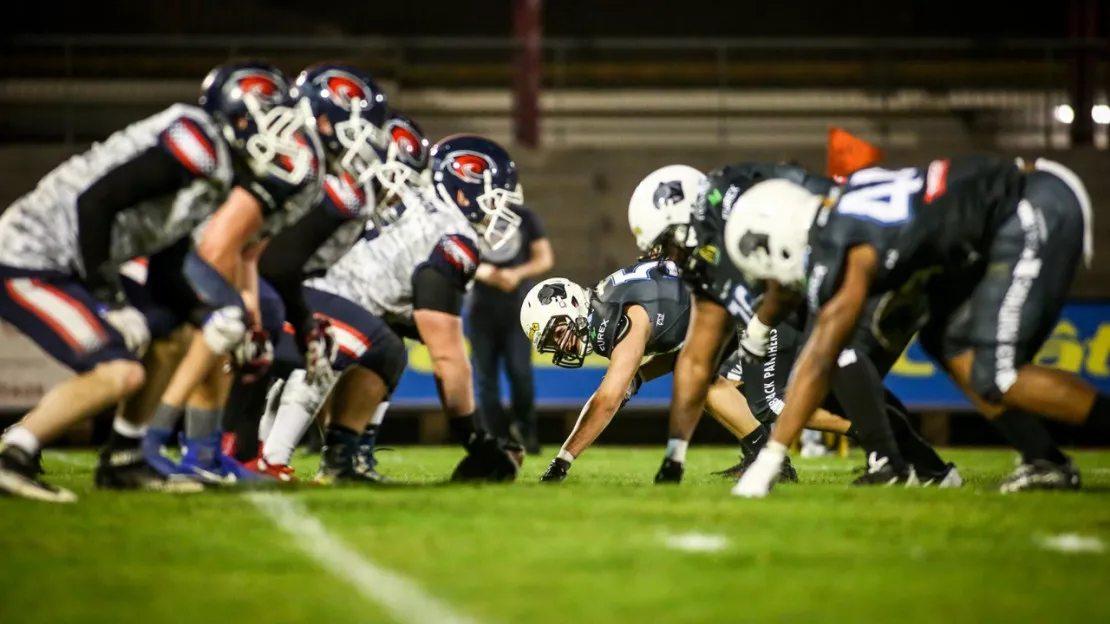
(152, 447)
(556, 471)
(487, 459)
(278, 472)
(949, 478)
(19, 476)
(880, 472)
(128, 470)
(1041, 475)
(787, 474)
(341, 461)
(670, 471)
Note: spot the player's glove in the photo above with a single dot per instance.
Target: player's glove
(670, 471)
(556, 471)
(320, 351)
(253, 356)
(755, 341)
(487, 459)
(131, 324)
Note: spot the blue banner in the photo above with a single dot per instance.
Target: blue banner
(1079, 344)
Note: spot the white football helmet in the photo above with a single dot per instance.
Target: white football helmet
(662, 203)
(554, 317)
(767, 232)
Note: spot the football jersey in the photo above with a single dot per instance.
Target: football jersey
(377, 272)
(924, 222)
(655, 287)
(345, 199)
(708, 271)
(40, 230)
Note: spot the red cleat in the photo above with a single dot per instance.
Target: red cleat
(280, 472)
(227, 444)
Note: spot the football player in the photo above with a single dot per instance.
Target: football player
(682, 211)
(412, 274)
(247, 100)
(140, 192)
(988, 247)
(639, 312)
(361, 139)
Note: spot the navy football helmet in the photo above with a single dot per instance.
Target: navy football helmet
(479, 177)
(347, 110)
(409, 146)
(250, 103)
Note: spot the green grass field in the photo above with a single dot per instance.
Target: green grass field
(593, 549)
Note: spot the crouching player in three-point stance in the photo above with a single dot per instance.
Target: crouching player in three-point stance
(990, 246)
(642, 310)
(139, 193)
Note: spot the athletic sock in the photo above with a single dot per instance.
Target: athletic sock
(919, 453)
(290, 425)
(201, 422)
(166, 416)
(22, 439)
(125, 435)
(754, 441)
(859, 390)
(1026, 433)
(1098, 419)
(676, 450)
(461, 428)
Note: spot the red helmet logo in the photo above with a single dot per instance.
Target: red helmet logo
(469, 166)
(409, 144)
(343, 88)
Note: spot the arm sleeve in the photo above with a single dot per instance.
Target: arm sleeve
(434, 290)
(283, 262)
(153, 173)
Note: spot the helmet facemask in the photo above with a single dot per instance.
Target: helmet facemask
(567, 338)
(275, 149)
(500, 223)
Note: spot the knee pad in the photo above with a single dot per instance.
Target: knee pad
(993, 372)
(224, 329)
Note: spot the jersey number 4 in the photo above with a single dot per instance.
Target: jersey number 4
(883, 196)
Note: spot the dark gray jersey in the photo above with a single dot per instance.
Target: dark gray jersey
(653, 286)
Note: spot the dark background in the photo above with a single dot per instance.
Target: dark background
(984, 19)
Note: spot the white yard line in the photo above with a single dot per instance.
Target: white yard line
(402, 598)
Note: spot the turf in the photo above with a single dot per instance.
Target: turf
(589, 550)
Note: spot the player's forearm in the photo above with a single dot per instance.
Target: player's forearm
(596, 415)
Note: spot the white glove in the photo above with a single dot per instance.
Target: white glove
(762, 474)
(131, 324)
(224, 329)
(755, 340)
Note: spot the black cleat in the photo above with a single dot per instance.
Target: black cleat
(1041, 475)
(670, 471)
(556, 471)
(880, 473)
(127, 470)
(19, 476)
(787, 474)
(737, 471)
(487, 459)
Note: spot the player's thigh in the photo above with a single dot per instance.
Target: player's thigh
(59, 315)
(1031, 263)
(361, 337)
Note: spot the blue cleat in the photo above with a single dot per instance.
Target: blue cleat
(205, 458)
(152, 447)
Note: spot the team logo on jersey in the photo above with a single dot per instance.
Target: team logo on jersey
(344, 88)
(412, 148)
(668, 194)
(468, 166)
